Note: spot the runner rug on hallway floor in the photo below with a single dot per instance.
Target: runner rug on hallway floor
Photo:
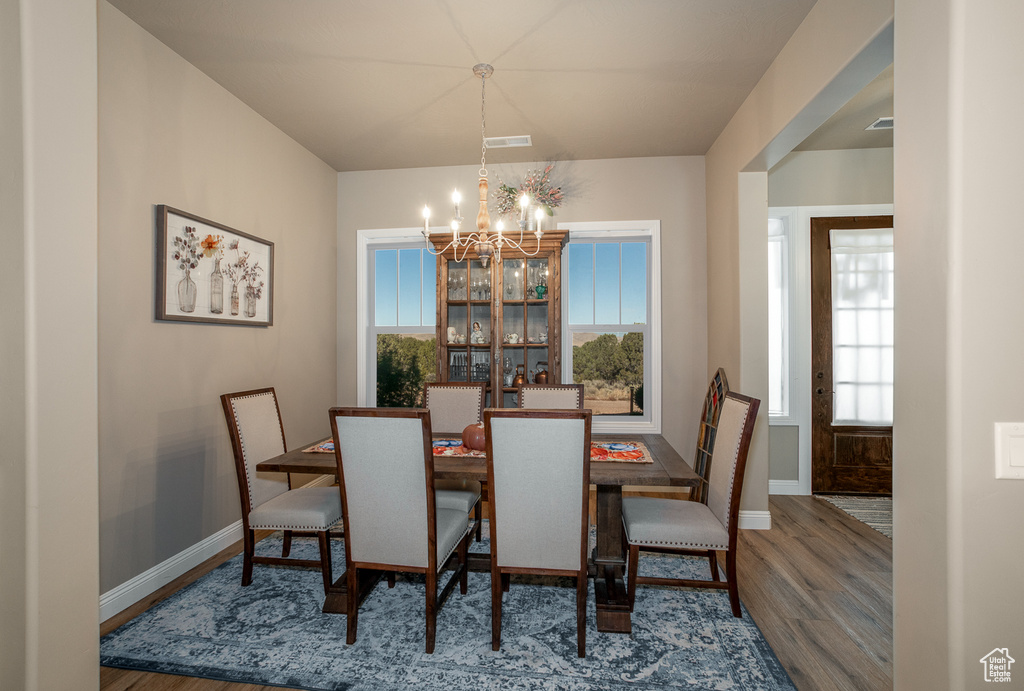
(874, 511)
(274, 633)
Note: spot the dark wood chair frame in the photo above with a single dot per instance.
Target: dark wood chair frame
(500, 575)
(477, 510)
(522, 387)
(730, 583)
(704, 455)
(434, 601)
(248, 534)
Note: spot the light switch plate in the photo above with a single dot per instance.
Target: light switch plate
(1010, 450)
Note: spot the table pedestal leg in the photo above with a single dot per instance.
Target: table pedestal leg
(336, 601)
(609, 563)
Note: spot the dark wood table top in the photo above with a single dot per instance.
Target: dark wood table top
(668, 468)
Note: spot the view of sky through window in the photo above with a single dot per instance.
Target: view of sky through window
(404, 287)
(607, 282)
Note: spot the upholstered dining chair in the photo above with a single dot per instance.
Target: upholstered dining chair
(392, 521)
(268, 501)
(673, 525)
(703, 456)
(565, 396)
(454, 406)
(538, 469)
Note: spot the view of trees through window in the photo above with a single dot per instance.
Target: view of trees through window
(611, 369)
(404, 364)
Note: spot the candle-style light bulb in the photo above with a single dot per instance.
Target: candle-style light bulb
(426, 220)
(538, 214)
(456, 197)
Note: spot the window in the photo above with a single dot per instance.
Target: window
(778, 316)
(609, 338)
(401, 337)
(862, 325)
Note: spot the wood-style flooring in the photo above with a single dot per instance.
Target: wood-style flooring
(818, 584)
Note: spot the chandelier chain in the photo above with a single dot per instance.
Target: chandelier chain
(485, 249)
(483, 125)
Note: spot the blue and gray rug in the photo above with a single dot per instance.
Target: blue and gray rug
(273, 633)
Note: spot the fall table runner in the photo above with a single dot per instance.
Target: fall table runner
(613, 451)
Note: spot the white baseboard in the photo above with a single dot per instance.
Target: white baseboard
(755, 520)
(784, 487)
(128, 593)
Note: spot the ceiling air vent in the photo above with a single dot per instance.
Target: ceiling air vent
(880, 124)
(508, 142)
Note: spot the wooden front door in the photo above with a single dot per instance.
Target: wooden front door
(846, 456)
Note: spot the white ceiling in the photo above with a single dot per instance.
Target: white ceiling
(378, 84)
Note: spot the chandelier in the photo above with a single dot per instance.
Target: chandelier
(484, 244)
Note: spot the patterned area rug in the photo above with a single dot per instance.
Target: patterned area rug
(273, 633)
(874, 511)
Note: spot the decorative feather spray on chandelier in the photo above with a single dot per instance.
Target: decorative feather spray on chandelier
(484, 244)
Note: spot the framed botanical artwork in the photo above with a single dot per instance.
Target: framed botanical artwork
(207, 272)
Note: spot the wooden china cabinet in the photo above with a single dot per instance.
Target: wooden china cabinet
(518, 307)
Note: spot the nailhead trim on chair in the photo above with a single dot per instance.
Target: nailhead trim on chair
(732, 475)
(281, 526)
(442, 562)
(245, 456)
(694, 545)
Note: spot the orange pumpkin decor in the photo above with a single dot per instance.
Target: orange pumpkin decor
(473, 437)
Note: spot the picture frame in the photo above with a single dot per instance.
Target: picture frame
(208, 272)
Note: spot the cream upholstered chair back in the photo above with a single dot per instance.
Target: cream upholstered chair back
(385, 467)
(539, 470)
(563, 396)
(726, 471)
(454, 406)
(256, 435)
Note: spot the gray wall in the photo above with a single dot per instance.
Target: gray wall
(784, 452)
(670, 189)
(819, 178)
(170, 135)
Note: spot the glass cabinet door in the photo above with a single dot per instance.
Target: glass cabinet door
(467, 335)
(499, 324)
(525, 324)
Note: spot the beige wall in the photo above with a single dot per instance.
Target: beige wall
(821, 67)
(169, 135)
(48, 467)
(823, 178)
(959, 324)
(669, 189)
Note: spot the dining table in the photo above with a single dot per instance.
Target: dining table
(608, 559)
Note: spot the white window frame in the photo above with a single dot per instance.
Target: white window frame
(787, 217)
(366, 242)
(624, 231)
